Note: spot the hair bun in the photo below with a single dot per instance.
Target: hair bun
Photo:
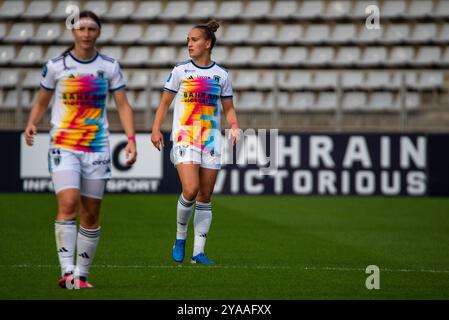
(213, 25)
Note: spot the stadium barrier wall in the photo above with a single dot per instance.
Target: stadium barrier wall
(301, 164)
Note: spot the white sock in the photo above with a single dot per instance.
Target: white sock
(86, 247)
(202, 222)
(65, 233)
(184, 210)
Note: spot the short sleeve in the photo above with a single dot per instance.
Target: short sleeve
(173, 81)
(226, 89)
(117, 81)
(48, 80)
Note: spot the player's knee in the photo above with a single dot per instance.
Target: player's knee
(68, 207)
(204, 196)
(89, 219)
(190, 192)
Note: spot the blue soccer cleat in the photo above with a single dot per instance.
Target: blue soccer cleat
(178, 250)
(201, 259)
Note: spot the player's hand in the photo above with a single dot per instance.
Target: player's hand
(157, 139)
(234, 135)
(131, 153)
(30, 131)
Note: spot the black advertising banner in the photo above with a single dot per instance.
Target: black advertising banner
(263, 162)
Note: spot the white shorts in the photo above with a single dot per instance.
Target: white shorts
(181, 154)
(80, 170)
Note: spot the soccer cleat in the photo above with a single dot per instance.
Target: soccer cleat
(201, 258)
(82, 284)
(178, 250)
(68, 277)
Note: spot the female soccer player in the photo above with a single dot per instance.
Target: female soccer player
(79, 158)
(197, 85)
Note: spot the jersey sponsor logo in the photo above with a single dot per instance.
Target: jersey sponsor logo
(189, 71)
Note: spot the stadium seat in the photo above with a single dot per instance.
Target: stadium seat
(38, 9)
(324, 80)
(7, 54)
(147, 10)
(443, 35)
(343, 33)
(326, 101)
(347, 56)
(293, 56)
(136, 56)
(295, 80)
(59, 12)
(9, 78)
(246, 79)
(27, 98)
(353, 101)
(129, 33)
(241, 55)
(53, 52)
(283, 9)
(120, 10)
(380, 101)
(352, 79)
(420, 8)
(156, 33)
(427, 55)
(401, 55)
(445, 57)
(32, 79)
(160, 78)
(236, 33)
(67, 37)
(179, 34)
(11, 100)
(229, 10)
(220, 54)
(29, 55)
(175, 10)
(115, 52)
(47, 32)
(412, 101)
(360, 6)
(424, 32)
(377, 80)
(142, 101)
(182, 54)
(251, 100)
(288, 34)
(370, 35)
(321, 55)
(316, 33)
(155, 98)
(163, 55)
(430, 80)
(373, 56)
(20, 32)
(267, 80)
(262, 33)
(393, 9)
(257, 9)
(411, 79)
(268, 56)
(203, 9)
(99, 7)
(107, 33)
(301, 101)
(310, 9)
(338, 8)
(282, 101)
(138, 80)
(442, 9)
(12, 8)
(396, 33)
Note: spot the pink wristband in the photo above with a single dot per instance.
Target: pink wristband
(132, 138)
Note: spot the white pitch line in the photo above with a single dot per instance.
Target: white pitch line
(261, 267)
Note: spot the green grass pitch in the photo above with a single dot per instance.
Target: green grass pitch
(265, 247)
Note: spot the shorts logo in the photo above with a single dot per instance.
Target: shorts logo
(56, 156)
(101, 162)
(182, 151)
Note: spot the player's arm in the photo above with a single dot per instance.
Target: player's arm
(231, 117)
(37, 112)
(156, 136)
(127, 120)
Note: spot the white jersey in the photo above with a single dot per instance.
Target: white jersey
(78, 117)
(196, 119)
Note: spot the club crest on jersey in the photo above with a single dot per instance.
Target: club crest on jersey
(217, 78)
(100, 74)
